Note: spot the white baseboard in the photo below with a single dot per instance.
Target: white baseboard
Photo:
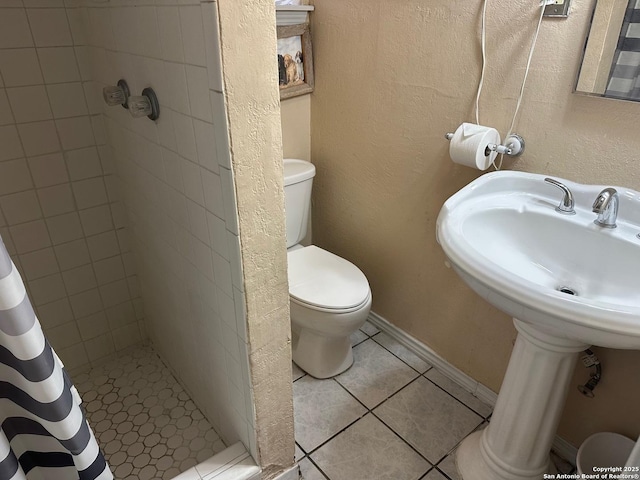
(482, 392)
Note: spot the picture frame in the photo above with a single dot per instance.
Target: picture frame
(295, 60)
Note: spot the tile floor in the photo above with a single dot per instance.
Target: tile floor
(145, 423)
(390, 416)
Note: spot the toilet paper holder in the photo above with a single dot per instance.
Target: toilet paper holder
(514, 145)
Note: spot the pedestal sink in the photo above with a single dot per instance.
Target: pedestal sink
(566, 282)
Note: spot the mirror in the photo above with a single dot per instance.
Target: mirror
(611, 63)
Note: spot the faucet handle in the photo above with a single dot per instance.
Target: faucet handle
(567, 203)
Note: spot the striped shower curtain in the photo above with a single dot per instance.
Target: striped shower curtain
(43, 432)
(624, 80)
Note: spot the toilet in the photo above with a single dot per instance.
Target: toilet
(329, 296)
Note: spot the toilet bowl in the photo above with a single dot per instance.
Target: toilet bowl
(329, 297)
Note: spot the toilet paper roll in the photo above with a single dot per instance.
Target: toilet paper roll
(469, 143)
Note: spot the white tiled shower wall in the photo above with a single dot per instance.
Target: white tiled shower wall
(176, 183)
(59, 216)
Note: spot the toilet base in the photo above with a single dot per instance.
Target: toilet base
(321, 356)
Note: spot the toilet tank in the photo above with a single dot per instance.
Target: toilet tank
(298, 179)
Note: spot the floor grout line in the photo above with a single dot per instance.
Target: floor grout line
(483, 419)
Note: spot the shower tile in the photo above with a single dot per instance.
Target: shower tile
(78, 21)
(20, 67)
(368, 449)
(74, 357)
(79, 279)
(6, 117)
(54, 313)
(221, 129)
(431, 420)
(29, 104)
(14, 174)
(212, 45)
(170, 34)
(67, 100)
(375, 375)
(103, 246)
(49, 27)
(96, 220)
(59, 64)
(229, 197)
(175, 79)
(48, 170)
(39, 263)
(47, 289)
(14, 29)
(213, 193)
(72, 254)
(39, 138)
(93, 325)
(206, 144)
(192, 181)
(193, 35)
(321, 409)
(64, 336)
(144, 421)
(100, 347)
(56, 200)
(75, 132)
(30, 236)
(109, 270)
(21, 207)
(86, 303)
(198, 85)
(114, 293)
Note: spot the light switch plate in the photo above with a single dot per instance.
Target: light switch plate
(559, 8)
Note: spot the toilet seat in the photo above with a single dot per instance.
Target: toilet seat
(322, 281)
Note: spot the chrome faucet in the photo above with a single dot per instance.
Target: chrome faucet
(606, 206)
(566, 204)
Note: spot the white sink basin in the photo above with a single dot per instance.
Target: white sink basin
(504, 237)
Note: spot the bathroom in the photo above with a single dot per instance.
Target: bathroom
(391, 78)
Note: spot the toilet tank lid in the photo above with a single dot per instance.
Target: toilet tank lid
(296, 171)
(322, 279)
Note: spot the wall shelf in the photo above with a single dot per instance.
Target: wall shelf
(292, 14)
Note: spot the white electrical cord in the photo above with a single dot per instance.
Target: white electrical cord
(524, 80)
(484, 60)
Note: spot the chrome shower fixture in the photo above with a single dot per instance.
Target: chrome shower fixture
(145, 105)
(116, 94)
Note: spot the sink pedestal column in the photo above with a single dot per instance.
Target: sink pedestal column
(517, 442)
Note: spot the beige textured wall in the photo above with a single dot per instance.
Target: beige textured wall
(391, 78)
(296, 127)
(248, 37)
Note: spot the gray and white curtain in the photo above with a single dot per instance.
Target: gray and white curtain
(624, 80)
(43, 432)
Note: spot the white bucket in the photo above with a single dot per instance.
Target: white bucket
(604, 449)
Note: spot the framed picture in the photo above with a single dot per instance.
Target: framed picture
(295, 60)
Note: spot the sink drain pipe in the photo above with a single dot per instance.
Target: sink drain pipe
(589, 360)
